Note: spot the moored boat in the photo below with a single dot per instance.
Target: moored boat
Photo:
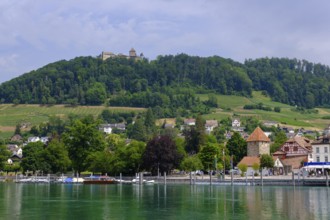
(100, 180)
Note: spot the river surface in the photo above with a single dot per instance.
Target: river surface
(69, 201)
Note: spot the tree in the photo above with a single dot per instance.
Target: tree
(131, 155)
(56, 156)
(266, 161)
(138, 131)
(33, 157)
(237, 147)
(277, 109)
(195, 136)
(82, 139)
(18, 129)
(191, 163)
(251, 123)
(255, 167)
(208, 155)
(4, 155)
(279, 140)
(243, 168)
(149, 122)
(102, 161)
(161, 153)
(96, 94)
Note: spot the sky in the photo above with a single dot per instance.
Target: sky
(34, 33)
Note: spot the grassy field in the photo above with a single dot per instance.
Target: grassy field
(230, 105)
(11, 115)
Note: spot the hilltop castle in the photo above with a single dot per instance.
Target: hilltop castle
(131, 55)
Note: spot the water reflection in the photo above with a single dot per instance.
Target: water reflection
(28, 201)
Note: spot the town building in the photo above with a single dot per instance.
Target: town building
(210, 125)
(258, 143)
(108, 128)
(321, 149)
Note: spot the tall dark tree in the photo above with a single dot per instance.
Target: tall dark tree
(195, 136)
(18, 129)
(149, 122)
(138, 131)
(161, 153)
(237, 147)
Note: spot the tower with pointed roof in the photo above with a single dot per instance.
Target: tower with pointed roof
(132, 53)
(258, 143)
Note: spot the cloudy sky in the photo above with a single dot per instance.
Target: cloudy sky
(34, 33)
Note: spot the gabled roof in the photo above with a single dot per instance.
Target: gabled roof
(211, 123)
(258, 135)
(301, 141)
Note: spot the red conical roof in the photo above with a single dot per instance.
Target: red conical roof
(258, 135)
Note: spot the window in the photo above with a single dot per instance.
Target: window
(325, 149)
(310, 155)
(286, 148)
(318, 159)
(326, 159)
(295, 148)
(317, 150)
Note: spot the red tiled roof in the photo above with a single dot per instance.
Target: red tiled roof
(258, 135)
(250, 160)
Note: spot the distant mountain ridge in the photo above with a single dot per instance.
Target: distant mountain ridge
(168, 81)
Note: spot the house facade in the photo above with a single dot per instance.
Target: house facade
(296, 147)
(321, 149)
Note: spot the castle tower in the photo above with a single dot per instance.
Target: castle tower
(132, 53)
(258, 143)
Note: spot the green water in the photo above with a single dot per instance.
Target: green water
(51, 201)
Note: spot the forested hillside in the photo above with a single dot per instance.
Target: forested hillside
(169, 83)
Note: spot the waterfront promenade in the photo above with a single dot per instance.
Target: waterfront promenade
(281, 180)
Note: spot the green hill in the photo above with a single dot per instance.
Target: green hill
(169, 82)
(11, 115)
(234, 105)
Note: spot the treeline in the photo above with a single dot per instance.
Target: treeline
(261, 106)
(169, 82)
(291, 81)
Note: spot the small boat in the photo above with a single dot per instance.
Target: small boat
(100, 180)
(137, 180)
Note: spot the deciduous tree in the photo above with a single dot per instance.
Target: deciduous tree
(82, 139)
(161, 152)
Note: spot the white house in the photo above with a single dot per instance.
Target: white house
(189, 121)
(44, 140)
(33, 139)
(108, 128)
(321, 149)
(236, 122)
